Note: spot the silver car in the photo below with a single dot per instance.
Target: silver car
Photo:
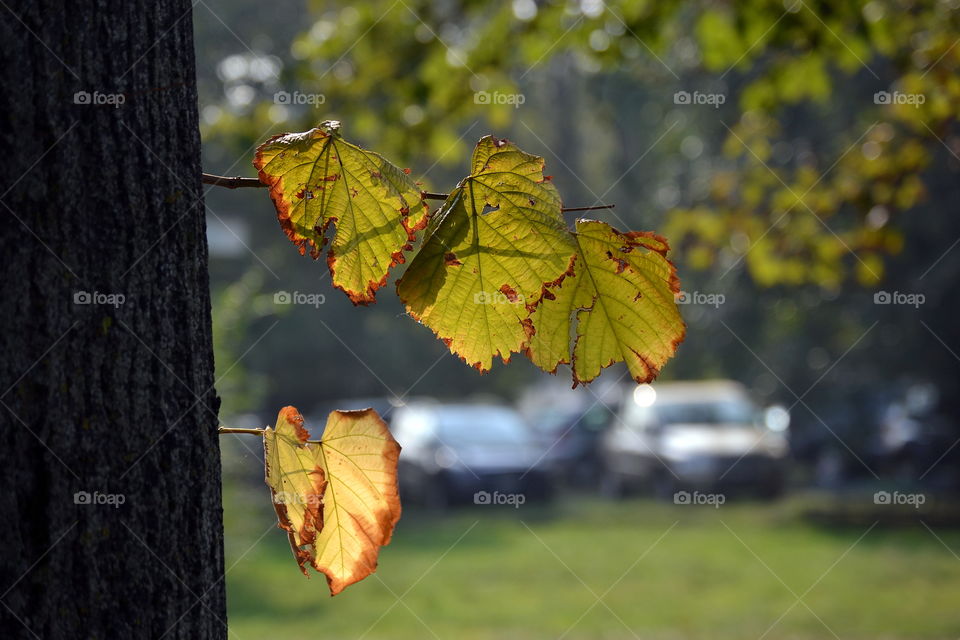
(705, 435)
(456, 453)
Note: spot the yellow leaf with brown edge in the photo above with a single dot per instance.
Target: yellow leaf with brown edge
(488, 256)
(316, 179)
(337, 499)
(620, 299)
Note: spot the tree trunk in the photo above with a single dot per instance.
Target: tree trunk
(109, 461)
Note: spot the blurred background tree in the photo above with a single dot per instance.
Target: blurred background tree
(800, 156)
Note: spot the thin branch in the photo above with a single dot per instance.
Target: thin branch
(231, 183)
(238, 182)
(257, 432)
(593, 208)
(253, 432)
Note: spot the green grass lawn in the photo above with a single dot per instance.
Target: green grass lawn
(661, 571)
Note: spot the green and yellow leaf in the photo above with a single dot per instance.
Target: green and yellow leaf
(622, 296)
(317, 178)
(489, 253)
(297, 481)
(336, 499)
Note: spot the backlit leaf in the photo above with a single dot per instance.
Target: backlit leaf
(489, 252)
(297, 481)
(317, 178)
(337, 499)
(621, 296)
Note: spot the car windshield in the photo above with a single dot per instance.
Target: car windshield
(705, 412)
(481, 425)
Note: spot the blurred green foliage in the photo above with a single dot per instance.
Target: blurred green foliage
(797, 196)
(405, 76)
(238, 306)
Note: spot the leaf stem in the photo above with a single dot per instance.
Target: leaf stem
(237, 182)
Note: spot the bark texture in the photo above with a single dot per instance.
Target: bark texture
(101, 394)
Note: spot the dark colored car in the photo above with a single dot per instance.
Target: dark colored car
(570, 440)
(454, 453)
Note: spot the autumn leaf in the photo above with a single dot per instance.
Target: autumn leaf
(489, 252)
(621, 295)
(336, 499)
(297, 481)
(317, 178)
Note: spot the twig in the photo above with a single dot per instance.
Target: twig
(253, 432)
(238, 182)
(593, 208)
(257, 432)
(231, 183)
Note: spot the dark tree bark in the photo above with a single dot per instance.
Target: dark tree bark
(111, 399)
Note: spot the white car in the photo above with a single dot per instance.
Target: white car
(705, 435)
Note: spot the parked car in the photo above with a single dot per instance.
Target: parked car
(568, 424)
(706, 436)
(569, 442)
(451, 452)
